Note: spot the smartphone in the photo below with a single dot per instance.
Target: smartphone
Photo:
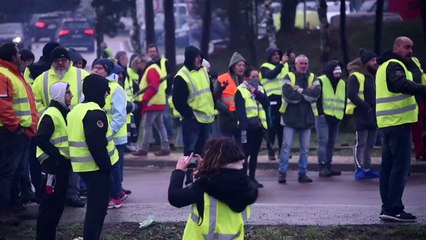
(193, 163)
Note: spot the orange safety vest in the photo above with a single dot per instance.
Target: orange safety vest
(228, 93)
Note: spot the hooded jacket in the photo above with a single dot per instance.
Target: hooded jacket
(76, 56)
(365, 111)
(231, 186)
(180, 88)
(95, 123)
(43, 64)
(272, 74)
(328, 71)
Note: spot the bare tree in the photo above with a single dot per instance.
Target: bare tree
(205, 36)
(378, 27)
(136, 36)
(252, 30)
(325, 39)
(288, 14)
(149, 22)
(169, 33)
(270, 28)
(343, 37)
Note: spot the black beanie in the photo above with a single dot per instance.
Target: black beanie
(7, 51)
(59, 52)
(366, 55)
(26, 55)
(47, 49)
(94, 88)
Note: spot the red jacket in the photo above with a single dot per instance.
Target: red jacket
(7, 114)
(153, 81)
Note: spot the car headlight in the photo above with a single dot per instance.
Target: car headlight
(17, 40)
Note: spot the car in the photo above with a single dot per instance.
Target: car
(45, 25)
(312, 19)
(15, 32)
(76, 33)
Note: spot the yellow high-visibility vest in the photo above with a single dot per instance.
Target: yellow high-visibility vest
(160, 96)
(121, 135)
(292, 77)
(81, 159)
(273, 86)
(350, 107)
(393, 109)
(253, 108)
(218, 221)
(333, 102)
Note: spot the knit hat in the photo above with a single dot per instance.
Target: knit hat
(366, 55)
(47, 49)
(106, 63)
(236, 57)
(59, 52)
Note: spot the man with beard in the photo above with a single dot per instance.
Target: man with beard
(362, 104)
(61, 71)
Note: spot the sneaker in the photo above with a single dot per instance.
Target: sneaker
(282, 178)
(371, 174)
(74, 202)
(304, 179)
(401, 217)
(126, 191)
(324, 172)
(162, 152)
(335, 172)
(115, 203)
(123, 196)
(140, 153)
(360, 174)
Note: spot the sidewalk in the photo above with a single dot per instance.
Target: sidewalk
(343, 163)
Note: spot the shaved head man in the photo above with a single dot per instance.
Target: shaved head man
(403, 47)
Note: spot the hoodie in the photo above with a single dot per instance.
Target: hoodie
(95, 123)
(43, 64)
(180, 88)
(231, 186)
(328, 71)
(272, 74)
(364, 113)
(76, 56)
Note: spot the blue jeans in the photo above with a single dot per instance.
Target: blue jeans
(117, 172)
(326, 138)
(396, 157)
(195, 136)
(304, 138)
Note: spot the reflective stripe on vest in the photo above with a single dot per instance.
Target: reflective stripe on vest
(200, 98)
(333, 102)
(160, 97)
(417, 62)
(20, 102)
(273, 86)
(121, 135)
(59, 137)
(393, 109)
(81, 158)
(350, 107)
(219, 221)
(253, 108)
(228, 94)
(128, 85)
(293, 83)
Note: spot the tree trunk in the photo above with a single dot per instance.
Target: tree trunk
(343, 37)
(234, 25)
(136, 37)
(252, 30)
(149, 22)
(270, 28)
(205, 36)
(423, 16)
(99, 31)
(169, 31)
(378, 27)
(325, 39)
(288, 15)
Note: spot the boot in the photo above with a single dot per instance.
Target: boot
(324, 171)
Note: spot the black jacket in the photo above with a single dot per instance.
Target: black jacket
(180, 88)
(44, 132)
(231, 186)
(42, 65)
(328, 71)
(396, 79)
(240, 108)
(365, 111)
(298, 113)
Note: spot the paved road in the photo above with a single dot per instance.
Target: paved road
(333, 201)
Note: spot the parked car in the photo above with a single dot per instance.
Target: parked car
(76, 33)
(312, 19)
(45, 25)
(15, 32)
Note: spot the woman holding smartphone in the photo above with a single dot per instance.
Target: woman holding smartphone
(220, 196)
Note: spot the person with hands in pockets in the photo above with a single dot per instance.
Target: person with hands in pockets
(220, 196)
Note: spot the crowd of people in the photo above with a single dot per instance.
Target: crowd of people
(65, 130)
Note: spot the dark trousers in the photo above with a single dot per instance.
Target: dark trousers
(117, 173)
(232, 133)
(276, 129)
(195, 135)
(417, 131)
(35, 170)
(52, 205)
(396, 156)
(251, 150)
(98, 190)
(10, 144)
